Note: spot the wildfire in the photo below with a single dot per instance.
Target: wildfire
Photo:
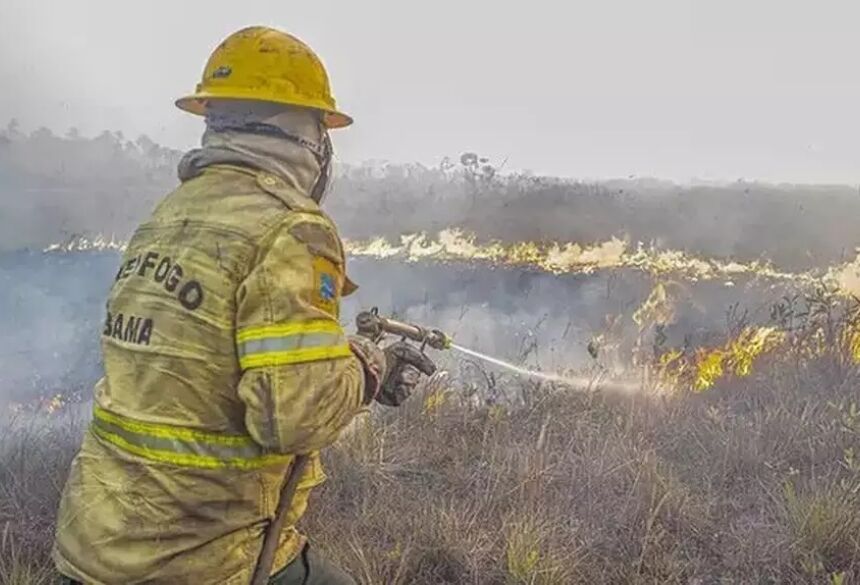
(658, 308)
(698, 369)
(44, 405)
(706, 366)
(99, 243)
(454, 245)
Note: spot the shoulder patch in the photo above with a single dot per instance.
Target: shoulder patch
(325, 294)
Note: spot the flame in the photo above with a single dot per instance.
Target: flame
(699, 369)
(851, 340)
(435, 400)
(55, 403)
(573, 258)
(455, 245)
(43, 405)
(708, 365)
(98, 243)
(738, 356)
(658, 308)
(846, 277)
(709, 368)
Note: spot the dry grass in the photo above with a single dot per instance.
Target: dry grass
(34, 459)
(755, 481)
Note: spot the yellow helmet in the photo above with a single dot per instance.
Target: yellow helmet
(264, 64)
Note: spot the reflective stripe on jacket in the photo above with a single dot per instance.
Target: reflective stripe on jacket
(223, 358)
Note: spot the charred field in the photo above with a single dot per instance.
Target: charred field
(729, 309)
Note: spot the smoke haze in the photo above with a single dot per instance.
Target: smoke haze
(764, 90)
(53, 188)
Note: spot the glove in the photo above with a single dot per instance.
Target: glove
(375, 364)
(404, 365)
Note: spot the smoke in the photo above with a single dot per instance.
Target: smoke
(49, 322)
(54, 307)
(54, 187)
(51, 305)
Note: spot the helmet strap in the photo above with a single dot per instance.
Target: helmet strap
(321, 186)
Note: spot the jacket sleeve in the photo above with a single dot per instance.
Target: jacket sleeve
(300, 383)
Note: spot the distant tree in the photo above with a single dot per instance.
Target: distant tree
(146, 144)
(42, 133)
(13, 128)
(478, 168)
(446, 165)
(106, 137)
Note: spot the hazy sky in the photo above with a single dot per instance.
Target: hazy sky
(718, 89)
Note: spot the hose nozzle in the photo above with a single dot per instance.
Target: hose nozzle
(373, 326)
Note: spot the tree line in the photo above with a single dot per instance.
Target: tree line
(54, 187)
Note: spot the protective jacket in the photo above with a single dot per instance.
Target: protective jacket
(223, 358)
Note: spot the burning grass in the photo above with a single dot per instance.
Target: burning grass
(455, 245)
(756, 480)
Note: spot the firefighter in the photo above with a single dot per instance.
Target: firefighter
(224, 358)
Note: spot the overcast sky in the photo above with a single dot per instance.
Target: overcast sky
(678, 89)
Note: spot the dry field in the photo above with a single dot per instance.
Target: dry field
(756, 480)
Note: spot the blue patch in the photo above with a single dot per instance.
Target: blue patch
(327, 287)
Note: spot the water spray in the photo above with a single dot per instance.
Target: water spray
(374, 326)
